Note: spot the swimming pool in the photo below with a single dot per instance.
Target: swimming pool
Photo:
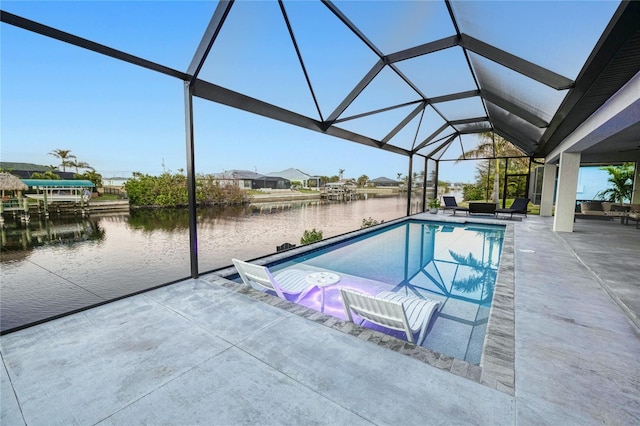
(454, 263)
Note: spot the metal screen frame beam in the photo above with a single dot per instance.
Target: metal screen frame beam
(475, 131)
(454, 96)
(515, 141)
(435, 179)
(424, 184)
(594, 84)
(409, 185)
(515, 134)
(433, 143)
(209, 37)
(364, 140)
(468, 121)
(347, 22)
(212, 92)
(423, 49)
(35, 27)
(351, 26)
(444, 144)
(430, 137)
(197, 62)
(292, 36)
(519, 65)
(513, 108)
(377, 111)
(362, 84)
(191, 179)
(404, 122)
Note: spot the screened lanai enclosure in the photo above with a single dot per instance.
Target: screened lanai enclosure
(420, 79)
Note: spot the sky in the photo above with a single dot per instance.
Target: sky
(120, 118)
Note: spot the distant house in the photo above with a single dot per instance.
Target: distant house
(114, 181)
(28, 174)
(26, 170)
(297, 175)
(384, 181)
(246, 179)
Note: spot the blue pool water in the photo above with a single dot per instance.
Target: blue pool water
(456, 264)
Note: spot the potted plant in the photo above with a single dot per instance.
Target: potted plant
(434, 205)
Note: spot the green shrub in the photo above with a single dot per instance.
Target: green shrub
(170, 190)
(312, 236)
(369, 222)
(471, 192)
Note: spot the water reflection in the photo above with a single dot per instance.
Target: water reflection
(421, 258)
(18, 235)
(178, 219)
(53, 266)
(467, 273)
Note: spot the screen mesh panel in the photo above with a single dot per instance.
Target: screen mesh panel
(431, 122)
(527, 134)
(439, 73)
(530, 95)
(557, 35)
(159, 31)
(453, 151)
(377, 126)
(479, 126)
(436, 143)
(462, 108)
(386, 89)
(395, 26)
(471, 144)
(367, 67)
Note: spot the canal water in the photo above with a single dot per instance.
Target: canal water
(54, 266)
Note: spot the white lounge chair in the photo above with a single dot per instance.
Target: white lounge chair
(391, 310)
(287, 282)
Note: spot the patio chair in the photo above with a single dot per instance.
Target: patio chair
(285, 246)
(451, 204)
(292, 282)
(482, 208)
(518, 206)
(391, 310)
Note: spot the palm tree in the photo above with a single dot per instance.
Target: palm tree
(64, 155)
(73, 163)
(362, 180)
(482, 272)
(482, 277)
(49, 174)
(621, 177)
(340, 173)
(94, 177)
(83, 165)
(493, 146)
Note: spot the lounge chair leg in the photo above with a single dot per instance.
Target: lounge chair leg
(423, 334)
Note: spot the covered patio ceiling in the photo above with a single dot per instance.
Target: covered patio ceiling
(415, 77)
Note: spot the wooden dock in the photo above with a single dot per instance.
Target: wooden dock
(338, 192)
(25, 211)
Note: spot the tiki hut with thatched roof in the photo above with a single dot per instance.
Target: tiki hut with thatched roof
(11, 183)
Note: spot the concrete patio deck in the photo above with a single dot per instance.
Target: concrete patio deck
(198, 352)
